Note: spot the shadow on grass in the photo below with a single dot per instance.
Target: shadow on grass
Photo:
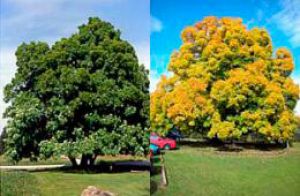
(233, 147)
(106, 167)
(153, 186)
(154, 178)
(199, 144)
(155, 173)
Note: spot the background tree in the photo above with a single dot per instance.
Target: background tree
(297, 133)
(2, 138)
(86, 95)
(227, 84)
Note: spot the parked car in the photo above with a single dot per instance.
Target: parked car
(162, 143)
(174, 134)
(154, 150)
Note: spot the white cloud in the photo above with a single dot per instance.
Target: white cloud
(158, 68)
(143, 53)
(288, 20)
(156, 24)
(7, 70)
(297, 108)
(27, 20)
(55, 4)
(296, 79)
(155, 78)
(7, 67)
(249, 23)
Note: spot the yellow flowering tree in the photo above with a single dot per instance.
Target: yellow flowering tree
(227, 83)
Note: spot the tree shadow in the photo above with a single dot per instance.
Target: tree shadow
(119, 166)
(155, 170)
(234, 146)
(153, 186)
(201, 143)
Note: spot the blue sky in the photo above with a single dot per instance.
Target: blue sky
(29, 20)
(281, 18)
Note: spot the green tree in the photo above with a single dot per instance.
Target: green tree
(84, 96)
(227, 83)
(2, 143)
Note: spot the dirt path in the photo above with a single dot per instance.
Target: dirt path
(31, 167)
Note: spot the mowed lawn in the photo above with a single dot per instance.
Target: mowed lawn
(62, 183)
(72, 182)
(206, 171)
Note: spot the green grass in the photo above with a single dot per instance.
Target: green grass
(63, 183)
(205, 171)
(18, 183)
(71, 182)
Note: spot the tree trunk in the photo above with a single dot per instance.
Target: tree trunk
(87, 161)
(73, 161)
(84, 161)
(93, 159)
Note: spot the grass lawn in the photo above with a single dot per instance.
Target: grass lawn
(206, 171)
(70, 182)
(62, 183)
(18, 183)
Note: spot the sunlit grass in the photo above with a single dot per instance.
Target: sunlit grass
(206, 171)
(67, 183)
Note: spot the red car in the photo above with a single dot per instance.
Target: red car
(162, 143)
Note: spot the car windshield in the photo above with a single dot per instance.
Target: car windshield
(154, 137)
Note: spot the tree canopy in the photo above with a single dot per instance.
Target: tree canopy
(227, 83)
(85, 95)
